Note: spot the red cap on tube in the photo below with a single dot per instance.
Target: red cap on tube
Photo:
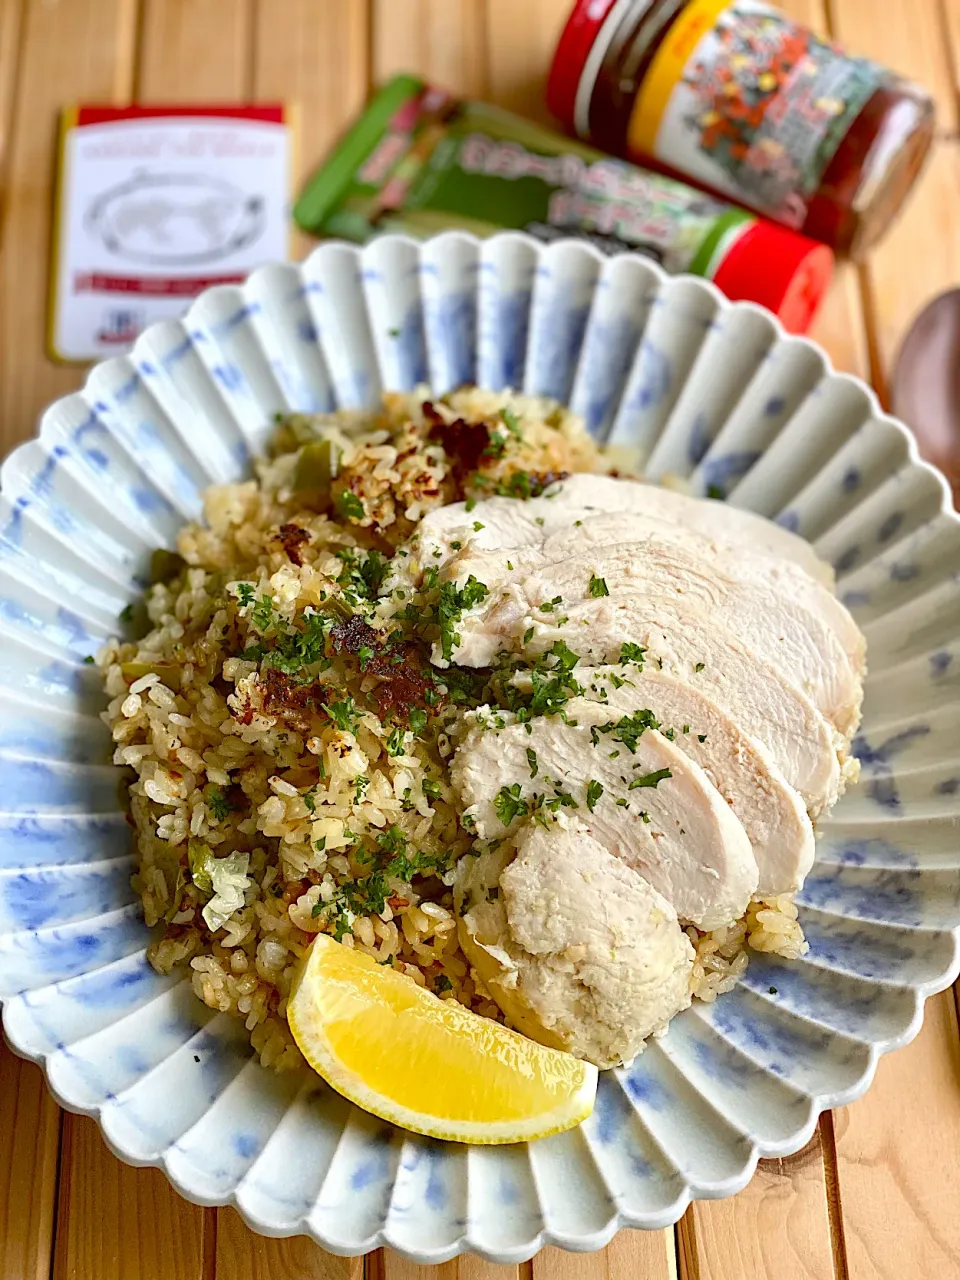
(779, 269)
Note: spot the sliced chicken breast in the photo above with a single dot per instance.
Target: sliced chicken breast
(733, 562)
(636, 793)
(769, 621)
(738, 765)
(511, 522)
(730, 563)
(692, 647)
(580, 952)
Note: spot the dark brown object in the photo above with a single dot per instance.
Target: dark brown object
(925, 388)
(465, 443)
(292, 538)
(403, 682)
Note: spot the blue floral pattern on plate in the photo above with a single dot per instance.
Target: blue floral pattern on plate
(697, 388)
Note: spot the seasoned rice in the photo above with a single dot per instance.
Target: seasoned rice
(289, 776)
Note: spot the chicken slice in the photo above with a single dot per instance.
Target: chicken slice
(512, 522)
(655, 809)
(737, 564)
(695, 648)
(738, 765)
(580, 952)
(732, 564)
(767, 620)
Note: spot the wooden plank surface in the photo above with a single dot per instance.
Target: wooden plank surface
(899, 1179)
(632, 1255)
(29, 1143)
(242, 1255)
(174, 62)
(865, 1198)
(444, 40)
(521, 38)
(907, 36)
(318, 56)
(900, 277)
(72, 50)
(386, 1265)
(115, 1223)
(11, 21)
(778, 1227)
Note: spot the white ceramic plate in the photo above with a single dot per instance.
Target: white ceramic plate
(704, 389)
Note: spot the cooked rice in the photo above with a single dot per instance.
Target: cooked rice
(259, 820)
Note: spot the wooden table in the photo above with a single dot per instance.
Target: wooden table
(877, 1191)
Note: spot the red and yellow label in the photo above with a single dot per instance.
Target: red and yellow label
(666, 71)
(747, 102)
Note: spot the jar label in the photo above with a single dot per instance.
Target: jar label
(749, 103)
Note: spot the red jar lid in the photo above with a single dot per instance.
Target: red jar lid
(779, 269)
(573, 49)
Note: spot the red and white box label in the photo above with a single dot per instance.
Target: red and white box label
(156, 204)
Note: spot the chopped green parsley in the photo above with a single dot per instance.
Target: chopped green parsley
(364, 654)
(450, 609)
(348, 504)
(628, 729)
(650, 779)
(594, 792)
(509, 804)
(512, 423)
(343, 714)
(262, 614)
(632, 653)
(523, 484)
(217, 803)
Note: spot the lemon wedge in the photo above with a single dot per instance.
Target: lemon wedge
(427, 1064)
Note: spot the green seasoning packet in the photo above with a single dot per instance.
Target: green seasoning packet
(419, 161)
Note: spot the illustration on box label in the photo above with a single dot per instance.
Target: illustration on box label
(164, 219)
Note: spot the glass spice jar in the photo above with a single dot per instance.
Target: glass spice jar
(742, 100)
